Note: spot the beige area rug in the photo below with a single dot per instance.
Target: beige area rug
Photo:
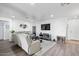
(45, 46)
(5, 49)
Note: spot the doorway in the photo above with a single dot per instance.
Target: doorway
(73, 29)
(34, 30)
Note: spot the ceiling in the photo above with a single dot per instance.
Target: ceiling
(39, 11)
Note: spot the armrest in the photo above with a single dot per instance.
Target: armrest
(35, 47)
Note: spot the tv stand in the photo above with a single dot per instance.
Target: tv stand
(45, 36)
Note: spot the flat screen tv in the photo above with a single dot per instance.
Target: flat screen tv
(45, 26)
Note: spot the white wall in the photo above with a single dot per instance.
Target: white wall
(58, 27)
(14, 25)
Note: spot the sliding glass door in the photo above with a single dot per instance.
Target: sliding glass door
(1, 30)
(4, 30)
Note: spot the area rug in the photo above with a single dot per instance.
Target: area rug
(45, 46)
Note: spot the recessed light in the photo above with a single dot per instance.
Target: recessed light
(75, 16)
(32, 3)
(13, 16)
(51, 15)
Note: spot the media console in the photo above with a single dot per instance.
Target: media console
(45, 36)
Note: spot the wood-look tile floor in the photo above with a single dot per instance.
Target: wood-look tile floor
(65, 49)
(10, 49)
(18, 51)
(59, 49)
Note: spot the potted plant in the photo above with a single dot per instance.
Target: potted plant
(12, 35)
(12, 31)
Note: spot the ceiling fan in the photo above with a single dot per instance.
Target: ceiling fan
(65, 4)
